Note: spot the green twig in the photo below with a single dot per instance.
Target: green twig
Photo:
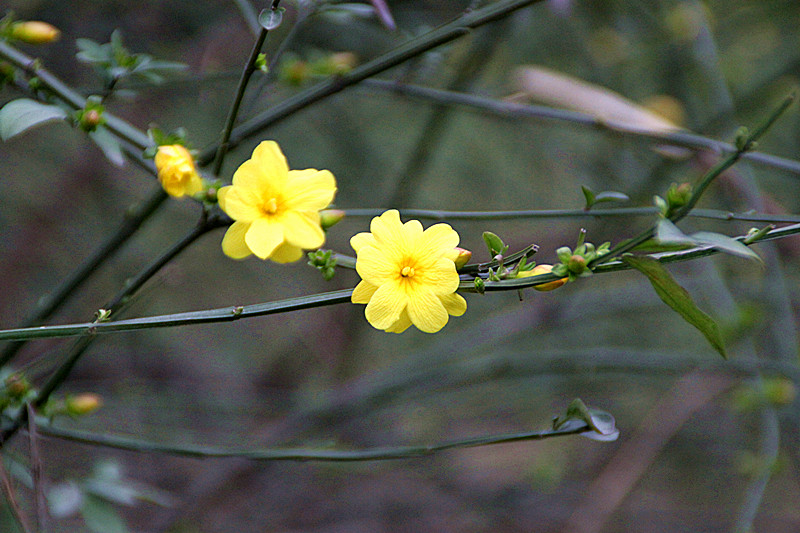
(232, 313)
(438, 214)
(247, 72)
(32, 67)
(51, 302)
(445, 34)
(298, 454)
(683, 139)
(109, 310)
(744, 144)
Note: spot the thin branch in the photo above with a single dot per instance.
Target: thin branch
(31, 67)
(299, 454)
(49, 303)
(232, 313)
(445, 34)
(13, 505)
(683, 139)
(438, 214)
(247, 72)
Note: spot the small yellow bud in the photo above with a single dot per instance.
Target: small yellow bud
(543, 269)
(576, 264)
(17, 386)
(176, 171)
(330, 217)
(34, 32)
(342, 62)
(463, 257)
(83, 404)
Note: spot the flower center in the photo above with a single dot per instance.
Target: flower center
(407, 271)
(271, 206)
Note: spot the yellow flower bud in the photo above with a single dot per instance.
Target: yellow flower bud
(176, 171)
(34, 32)
(463, 257)
(542, 269)
(330, 217)
(83, 404)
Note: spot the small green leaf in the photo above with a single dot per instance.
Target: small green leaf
(22, 114)
(588, 194)
(726, 244)
(101, 517)
(494, 243)
(109, 145)
(269, 19)
(611, 196)
(675, 296)
(668, 233)
(602, 425)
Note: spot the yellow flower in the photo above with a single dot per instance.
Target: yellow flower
(276, 210)
(176, 171)
(34, 32)
(542, 269)
(408, 275)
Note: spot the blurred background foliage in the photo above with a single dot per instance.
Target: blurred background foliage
(699, 435)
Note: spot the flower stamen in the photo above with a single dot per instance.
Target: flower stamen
(407, 271)
(271, 207)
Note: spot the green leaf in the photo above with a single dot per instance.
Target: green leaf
(611, 196)
(22, 114)
(494, 243)
(101, 517)
(588, 194)
(602, 425)
(109, 145)
(726, 244)
(269, 19)
(668, 233)
(675, 296)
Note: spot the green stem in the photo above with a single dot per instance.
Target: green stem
(743, 145)
(445, 34)
(437, 214)
(683, 139)
(31, 67)
(112, 307)
(297, 454)
(247, 72)
(51, 302)
(232, 313)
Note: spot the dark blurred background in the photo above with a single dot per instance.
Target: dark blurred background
(699, 436)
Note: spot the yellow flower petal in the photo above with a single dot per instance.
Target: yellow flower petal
(402, 324)
(455, 304)
(270, 160)
(427, 311)
(302, 229)
(286, 253)
(233, 244)
(439, 236)
(264, 235)
(385, 306)
(243, 204)
(439, 276)
(310, 189)
(363, 292)
(359, 240)
(372, 265)
(221, 196)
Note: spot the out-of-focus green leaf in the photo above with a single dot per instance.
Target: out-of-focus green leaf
(101, 517)
(675, 296)
(109, 145)
(22, 114)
